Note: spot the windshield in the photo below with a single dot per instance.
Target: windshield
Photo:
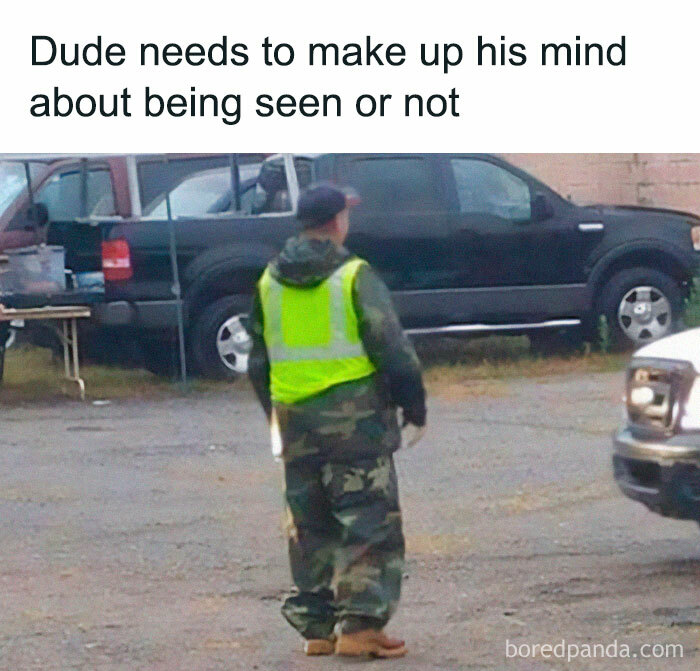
(13, 180)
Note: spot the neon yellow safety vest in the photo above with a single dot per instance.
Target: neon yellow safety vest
(311, 334)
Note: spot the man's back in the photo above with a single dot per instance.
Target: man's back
(306, 263)
(330, 363)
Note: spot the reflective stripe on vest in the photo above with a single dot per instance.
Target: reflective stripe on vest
(311, 335)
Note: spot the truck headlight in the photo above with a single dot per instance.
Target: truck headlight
(656, 393)
(641, 396)
(690, 421)
(695, 235)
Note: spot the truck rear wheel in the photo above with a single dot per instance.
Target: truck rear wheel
(640, 305)
(219, 341)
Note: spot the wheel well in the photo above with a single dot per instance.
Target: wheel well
(216, 285)
(641, 258)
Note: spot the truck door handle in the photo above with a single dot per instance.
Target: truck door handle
(590, 227)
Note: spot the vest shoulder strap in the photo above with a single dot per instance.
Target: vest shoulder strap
(350, 268)
(265, 280)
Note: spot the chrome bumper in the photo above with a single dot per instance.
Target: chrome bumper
(683, 448)
(664, 475)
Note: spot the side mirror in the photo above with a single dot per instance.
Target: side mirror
(541, 208)
(37, 216)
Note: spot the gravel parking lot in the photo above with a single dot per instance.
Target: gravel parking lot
(148, 535)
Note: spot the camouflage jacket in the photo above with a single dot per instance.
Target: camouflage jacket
(398, 382)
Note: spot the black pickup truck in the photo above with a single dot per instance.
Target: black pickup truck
(466, 242)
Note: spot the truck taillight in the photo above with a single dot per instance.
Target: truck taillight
(116, 260)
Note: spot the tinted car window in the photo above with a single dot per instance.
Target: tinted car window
(63, 195)
(393, 184)
(485, 188)
(157, 177)
(197, 195)
(206, 192)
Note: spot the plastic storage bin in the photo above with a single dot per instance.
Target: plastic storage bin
(34, 270)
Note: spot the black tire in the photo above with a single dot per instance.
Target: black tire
(208, 328)
(619, 285)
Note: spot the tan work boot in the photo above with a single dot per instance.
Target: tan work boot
(319, 646)
(369, 643)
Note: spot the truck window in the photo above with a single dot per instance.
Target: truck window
(271, 190)
(305, 172)
(271, 193)
(207, 192)
(158, 177)
(485, 188)
(13, 180)
(393, 184)
(67, 200)
(62, 195)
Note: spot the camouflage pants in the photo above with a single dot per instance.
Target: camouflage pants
(346, 546)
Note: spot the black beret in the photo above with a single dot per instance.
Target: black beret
(319, 204)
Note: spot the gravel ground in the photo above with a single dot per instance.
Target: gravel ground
(147, 535)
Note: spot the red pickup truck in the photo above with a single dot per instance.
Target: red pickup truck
(100, 187)
(44, 195)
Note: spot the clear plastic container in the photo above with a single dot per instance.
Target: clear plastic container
(35, 270)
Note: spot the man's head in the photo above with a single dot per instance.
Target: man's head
(324, 212)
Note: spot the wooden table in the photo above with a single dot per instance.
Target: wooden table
(68, 316)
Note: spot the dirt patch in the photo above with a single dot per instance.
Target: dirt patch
(436, 544)
(447, 385)
(535, 498)
(139, 547)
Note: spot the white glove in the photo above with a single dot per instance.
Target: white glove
(411, 434)
(275, 437)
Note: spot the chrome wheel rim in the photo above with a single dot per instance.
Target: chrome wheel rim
(233, 344)
(644, 314)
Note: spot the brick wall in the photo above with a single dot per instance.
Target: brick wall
(663, 180)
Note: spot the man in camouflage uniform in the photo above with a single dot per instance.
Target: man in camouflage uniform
(346, 546)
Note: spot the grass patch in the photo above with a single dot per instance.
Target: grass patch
(34, 374)
(691, 317)
(455, 368)
(459, 367)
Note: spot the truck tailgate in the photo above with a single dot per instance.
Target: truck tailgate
(82, 242)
